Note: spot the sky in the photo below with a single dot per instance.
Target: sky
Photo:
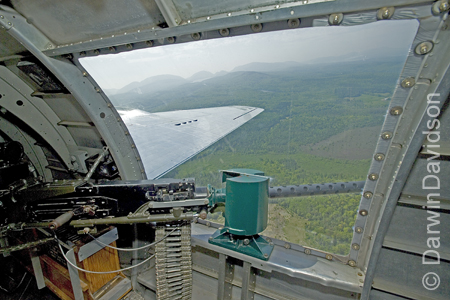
(115, 71)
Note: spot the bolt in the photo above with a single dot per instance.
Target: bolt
(373, 176)
(363, 212)
(307, 251)
(385, 13)
(2, 17)
(351, 263)
(355, 247)
(335, 19)
(329, 256)
(358, 230)
(246, 242)
(85, 74)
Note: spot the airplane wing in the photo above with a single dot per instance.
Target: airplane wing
(166, 140)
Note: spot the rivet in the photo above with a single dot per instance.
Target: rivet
(189, 21)
(363, 212)
(2, 17)
(85, 74)
(373, 176)
(387, 135)
(256, 27)
(266, 255)
(97, 90)
(355, 247)
(329, 256)
(277, 6)
(229, 14)
(292, 12)
(208, 18)
(252, 10)
(351, 263)
(358, 230)
(360, 274)
(408, 82)
(307, 251)
(396, 111)
(368, 195)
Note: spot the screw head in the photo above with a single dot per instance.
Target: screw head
(367, 195)
(196, 36)
(224, 32)
(396, 111)
(355, 247)
(424, 48)
(444, 6)
(387, 135)
(373, 176)
(358, 230)
(379, 156)
(408, 82)
(335, 19)
(307, 251)
(256, 27)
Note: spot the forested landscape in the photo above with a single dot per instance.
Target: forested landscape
(320, 124)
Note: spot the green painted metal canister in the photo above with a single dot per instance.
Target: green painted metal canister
(247, 202)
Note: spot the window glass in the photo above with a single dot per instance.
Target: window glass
(324, 91)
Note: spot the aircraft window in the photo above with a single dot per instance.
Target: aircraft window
(324, 91)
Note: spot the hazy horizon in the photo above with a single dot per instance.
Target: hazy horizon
(115, 71)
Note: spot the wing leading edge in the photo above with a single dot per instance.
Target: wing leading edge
(166, 140)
